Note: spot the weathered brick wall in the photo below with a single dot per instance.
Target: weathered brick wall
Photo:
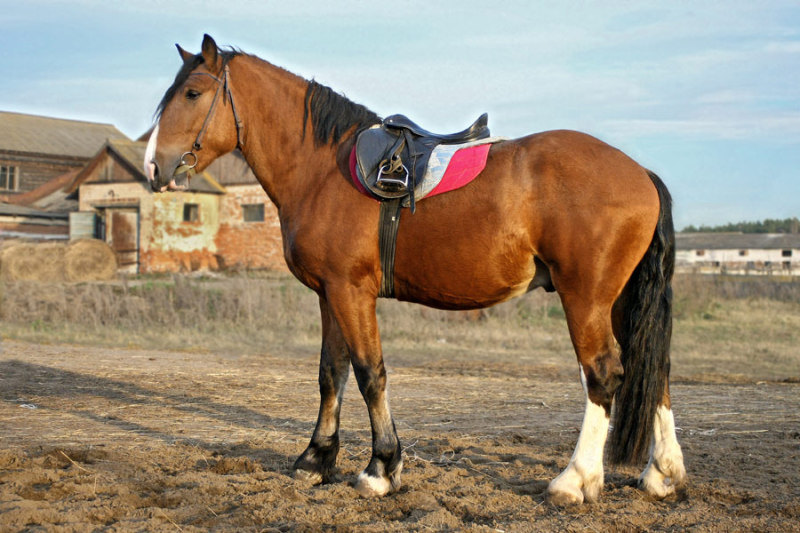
(170, 244)
(243, 244)
(219, 239)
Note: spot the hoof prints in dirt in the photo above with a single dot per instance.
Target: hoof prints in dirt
(134, 440)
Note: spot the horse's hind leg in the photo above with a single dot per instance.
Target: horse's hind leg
(317, 461)
(665, 471)
(601, 373)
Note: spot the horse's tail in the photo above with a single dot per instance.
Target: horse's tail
(644, 337)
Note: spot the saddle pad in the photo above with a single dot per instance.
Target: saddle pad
(450, 167)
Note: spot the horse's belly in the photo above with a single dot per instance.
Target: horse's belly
(465, 283)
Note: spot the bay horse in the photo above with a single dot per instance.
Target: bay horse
(558, 210)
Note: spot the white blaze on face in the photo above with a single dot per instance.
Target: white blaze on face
(150, 154)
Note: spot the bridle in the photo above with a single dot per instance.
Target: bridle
(223, 84)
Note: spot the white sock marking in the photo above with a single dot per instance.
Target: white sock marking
(583, 477)
(665, 469)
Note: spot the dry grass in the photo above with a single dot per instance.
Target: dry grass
(722, 324)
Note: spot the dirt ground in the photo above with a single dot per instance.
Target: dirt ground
(99, 439)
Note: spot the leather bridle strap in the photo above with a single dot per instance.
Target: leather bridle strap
(198, 141)
(222, 85)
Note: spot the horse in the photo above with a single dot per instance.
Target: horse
(558, 210)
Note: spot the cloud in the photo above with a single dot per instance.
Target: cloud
(782, 128)
(726, 97)
(782, 47)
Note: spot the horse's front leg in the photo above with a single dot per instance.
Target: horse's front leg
(355, 314)
(317, 461)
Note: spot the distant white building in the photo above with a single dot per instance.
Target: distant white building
(738, 253)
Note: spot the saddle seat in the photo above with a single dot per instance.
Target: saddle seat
(391, 157)
(477, 130)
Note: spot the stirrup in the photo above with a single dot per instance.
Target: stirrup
(386, 180)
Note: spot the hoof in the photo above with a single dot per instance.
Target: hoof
(658, 486)
(307, 477)
(570, 489)
(656, 490)
(369, 486)
(372, 487)
(563, 498)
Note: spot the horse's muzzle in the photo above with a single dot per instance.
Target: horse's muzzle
(157, 182)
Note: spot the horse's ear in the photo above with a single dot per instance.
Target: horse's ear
(210, 51)
(184, 54)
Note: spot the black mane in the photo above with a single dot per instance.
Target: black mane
(183, 75)
(332, 114)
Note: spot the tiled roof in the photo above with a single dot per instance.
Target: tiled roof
(736, 241)
(53, 136)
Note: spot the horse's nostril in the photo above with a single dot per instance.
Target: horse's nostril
(155, 169)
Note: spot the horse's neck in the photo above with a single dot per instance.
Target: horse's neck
(281, 157)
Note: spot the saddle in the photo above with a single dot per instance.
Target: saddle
(391, 157)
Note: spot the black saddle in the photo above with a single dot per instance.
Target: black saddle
(477, 130)
(391, 157)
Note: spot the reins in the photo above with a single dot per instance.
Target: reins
(222, 84)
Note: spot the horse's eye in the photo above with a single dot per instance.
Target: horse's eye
(191, 94)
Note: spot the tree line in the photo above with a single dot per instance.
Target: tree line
(770, 225)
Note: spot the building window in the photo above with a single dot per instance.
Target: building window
(700, 253)
(743, 253)
(786, 253)
(191, 212)
(253, 213)
(8, 178)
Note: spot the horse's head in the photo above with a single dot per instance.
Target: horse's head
(197, 120)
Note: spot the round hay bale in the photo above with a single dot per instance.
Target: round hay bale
(33, 262)
(90, 260)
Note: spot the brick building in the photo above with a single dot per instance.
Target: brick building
(217, 224)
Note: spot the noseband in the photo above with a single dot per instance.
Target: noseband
(222, 85)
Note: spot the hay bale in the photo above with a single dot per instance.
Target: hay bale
(90, 260)
(33, 262)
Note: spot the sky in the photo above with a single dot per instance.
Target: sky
(706, 94)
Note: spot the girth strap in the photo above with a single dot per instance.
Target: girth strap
(388, 224)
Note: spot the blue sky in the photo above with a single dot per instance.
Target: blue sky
(707, 94)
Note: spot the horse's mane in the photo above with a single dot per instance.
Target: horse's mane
(183, 75)
(333, 114)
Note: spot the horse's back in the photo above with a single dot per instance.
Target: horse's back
(554, 195)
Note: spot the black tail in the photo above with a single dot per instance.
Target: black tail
(644, 337)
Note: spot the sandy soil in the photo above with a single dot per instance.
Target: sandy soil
(98, 439)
